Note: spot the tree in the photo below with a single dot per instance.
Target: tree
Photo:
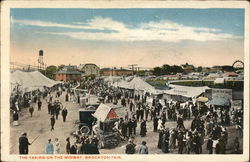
(60, 67)
(166, 69)
(157, 71)
(176, 69)
(50, 71)
(199, 69)
(227, 68)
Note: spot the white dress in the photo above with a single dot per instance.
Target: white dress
(56, 147)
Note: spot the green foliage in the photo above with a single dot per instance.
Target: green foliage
(199, 69)
(227, 68)
(50, 71)
(167, 70)
(157, 83)
(157, 71)
(60, 67)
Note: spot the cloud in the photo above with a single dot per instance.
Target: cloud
(163, 30)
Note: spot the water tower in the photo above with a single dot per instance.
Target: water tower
(40, 60)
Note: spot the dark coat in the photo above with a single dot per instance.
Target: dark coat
(143, 129)
(91, 149)
(31, 109)
(160, 140)
(64, 112)
(23, 142)
(73, 149)
(24, 145)
(52, 121)
(134, 123)
(130, 148)
(39, 104)
(217, 148)
(66, 97)
(124, 127)
(165, 143)
(209, 144)
(68, 147)
(58, 110)
(15, 116)
(130, 125)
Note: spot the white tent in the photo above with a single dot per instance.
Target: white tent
(186, 91)
(212, 76)
(123, 84)
(139, 84)
(112, 78)
(219, 80)
(29, 81)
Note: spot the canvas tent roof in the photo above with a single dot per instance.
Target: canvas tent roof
(112, 78)
(186, 91)
(104, 112)
(123, 84)
(202, 99)
(139, 84)
(219, 80)
(29, 81)
(219, 101)
(212, 76)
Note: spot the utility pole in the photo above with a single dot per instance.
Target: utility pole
(132, 66)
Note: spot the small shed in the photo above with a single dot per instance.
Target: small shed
(105, 113)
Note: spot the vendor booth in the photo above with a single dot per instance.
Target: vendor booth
(109, 137)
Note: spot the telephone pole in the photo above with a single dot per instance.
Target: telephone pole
(132, 66)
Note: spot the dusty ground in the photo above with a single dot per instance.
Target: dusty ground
(39, 124)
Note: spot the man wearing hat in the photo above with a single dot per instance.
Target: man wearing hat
(130, 147)
(24, 144)
(68, 146)
(180, 124)
(210, 145)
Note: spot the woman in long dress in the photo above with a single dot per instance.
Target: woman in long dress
(160, 139)
(56, 146)
(67, 97)
(15, 118)
(165, 142)
(143, 128)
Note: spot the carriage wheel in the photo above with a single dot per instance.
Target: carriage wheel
(85, 129)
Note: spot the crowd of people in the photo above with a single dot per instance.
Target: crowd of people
(55, 108)
(82, 145)
(208, 123)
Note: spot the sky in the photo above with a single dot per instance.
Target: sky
(148, 37)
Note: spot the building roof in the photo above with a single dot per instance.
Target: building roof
(108, 69)
(231, 74)
(105, 112)
(169, 76)
(83, 65)
(105, 69)
(90, 64)
(186, 91)
(69, 70)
